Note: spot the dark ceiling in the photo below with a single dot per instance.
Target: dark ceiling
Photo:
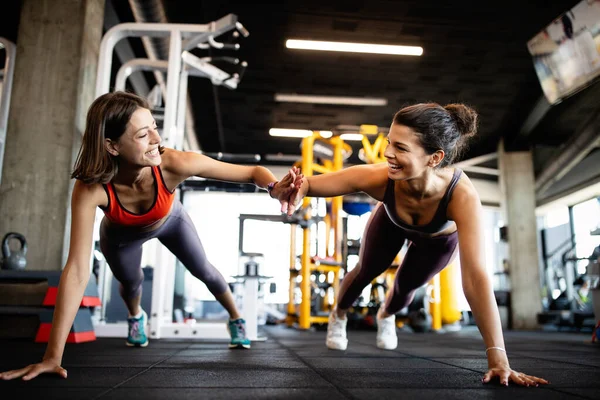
(474, 52)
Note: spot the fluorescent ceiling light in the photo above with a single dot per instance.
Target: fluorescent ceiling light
(351, 136)
(344, 100)
(297, 133)
(354, 47)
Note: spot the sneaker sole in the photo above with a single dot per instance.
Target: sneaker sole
(334, 346)
(383, 347)
(239, 346)
(137, 344)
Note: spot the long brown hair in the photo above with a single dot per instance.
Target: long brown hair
(107, 118)
(446, 128)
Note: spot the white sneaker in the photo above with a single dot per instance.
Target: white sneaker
(336, 333)
(386, 333)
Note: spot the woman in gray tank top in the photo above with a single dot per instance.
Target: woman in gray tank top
(431, 206)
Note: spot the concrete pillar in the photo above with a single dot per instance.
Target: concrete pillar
(57, 56)
(517, 183)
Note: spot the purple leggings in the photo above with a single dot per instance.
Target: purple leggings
(122, 248)
(381, 242)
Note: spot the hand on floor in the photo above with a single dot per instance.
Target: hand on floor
(33, 370)
(505, 374)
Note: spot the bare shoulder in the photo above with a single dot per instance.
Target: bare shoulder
(90, 194)
(171, 159)
(379, 172)
(372, 179)
(177, 166)
(465, 185)
(177, 163)
(464, 198)
(173, 166)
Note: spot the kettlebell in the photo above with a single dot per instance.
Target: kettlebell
(14, 259)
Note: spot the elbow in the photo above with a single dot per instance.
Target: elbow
(473, 295)
(79, 273)
(257, 171)
(474, 284)
(468, 291)
(254, 172)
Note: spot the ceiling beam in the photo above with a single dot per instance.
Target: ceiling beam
(584, 140)
(476, 160)
(537, 113)
(482, 170)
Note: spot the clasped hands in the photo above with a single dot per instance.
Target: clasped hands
(288, 190)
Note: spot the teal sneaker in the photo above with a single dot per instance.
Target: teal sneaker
(137, 331)
(237, 330)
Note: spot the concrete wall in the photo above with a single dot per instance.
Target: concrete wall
(57, 55)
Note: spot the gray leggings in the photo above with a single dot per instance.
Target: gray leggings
(382, 240)
(122, 248)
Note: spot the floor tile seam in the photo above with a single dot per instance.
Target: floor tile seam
(139, 373)
(520, 354)
(287, 386)
(429, 347)
(559, 361)
(563, 391)
(431, 360)
(341, 390)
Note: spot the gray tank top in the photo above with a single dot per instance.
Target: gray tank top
(439, 222)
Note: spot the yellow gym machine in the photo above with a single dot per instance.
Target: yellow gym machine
(372, 153)
(331, 264)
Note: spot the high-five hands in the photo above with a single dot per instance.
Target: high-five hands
(287, 190)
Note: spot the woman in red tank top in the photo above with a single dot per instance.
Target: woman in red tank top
(123, 169)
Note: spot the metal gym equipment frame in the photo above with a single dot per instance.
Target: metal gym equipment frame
(7, 79)
(180, 64)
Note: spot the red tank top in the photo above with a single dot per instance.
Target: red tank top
(163, 200)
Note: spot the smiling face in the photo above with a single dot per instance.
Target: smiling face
(405, 156)
(139, 143)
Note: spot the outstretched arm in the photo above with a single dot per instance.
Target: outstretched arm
(465, 210)
(370, 179)
(73, 281)
(185, 164)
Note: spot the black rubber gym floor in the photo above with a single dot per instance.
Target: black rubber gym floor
(293, 364)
